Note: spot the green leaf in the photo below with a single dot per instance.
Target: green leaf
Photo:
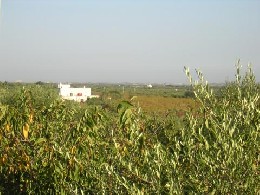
(39, 141)
(124, 105)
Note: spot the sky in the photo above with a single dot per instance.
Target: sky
(136, 41)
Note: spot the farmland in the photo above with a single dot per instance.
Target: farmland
(132, 140)
(158, 99)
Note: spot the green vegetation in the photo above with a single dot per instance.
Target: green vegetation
(113, 146)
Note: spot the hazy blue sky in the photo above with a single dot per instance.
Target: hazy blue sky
(127, 40)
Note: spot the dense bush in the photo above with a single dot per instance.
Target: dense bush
(48, 146)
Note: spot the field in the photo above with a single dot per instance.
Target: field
(166, 139)
(159, 99)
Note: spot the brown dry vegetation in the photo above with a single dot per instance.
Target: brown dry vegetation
(163, 104)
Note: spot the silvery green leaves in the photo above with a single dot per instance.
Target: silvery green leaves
(226, 130)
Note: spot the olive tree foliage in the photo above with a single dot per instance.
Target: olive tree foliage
(223, 139)
(216, 151)
(53, 147)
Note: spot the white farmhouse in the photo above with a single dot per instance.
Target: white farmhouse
(76, 94)
(149, 85)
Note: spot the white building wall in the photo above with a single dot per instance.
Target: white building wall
(77, 94)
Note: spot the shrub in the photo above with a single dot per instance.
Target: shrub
(54, 147)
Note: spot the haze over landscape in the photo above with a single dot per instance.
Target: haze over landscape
(128, 40)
